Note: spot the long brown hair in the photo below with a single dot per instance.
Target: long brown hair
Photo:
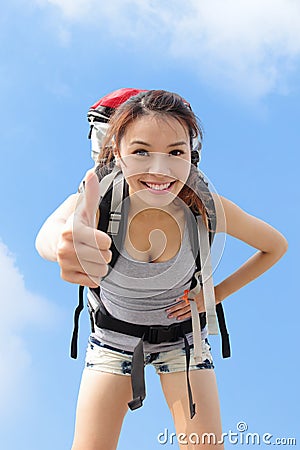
(158, 102)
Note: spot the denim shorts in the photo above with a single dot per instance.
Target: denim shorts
(105, 358)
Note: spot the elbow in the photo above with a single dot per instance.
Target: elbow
(282, 245)
(279, 248)
(282, 248)
(42, 249)
(38, 246)
(285, 245)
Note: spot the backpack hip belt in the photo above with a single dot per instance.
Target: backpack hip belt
(154, 334)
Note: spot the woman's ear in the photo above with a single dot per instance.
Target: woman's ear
(116, 156)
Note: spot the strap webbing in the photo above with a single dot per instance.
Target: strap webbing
(76, 323)
(226, 352)
(107, 180)
(116, 205)
(204, 277)
(138, 377)
(190, 395)
(196, 332)
(207, 280)
(152, 334)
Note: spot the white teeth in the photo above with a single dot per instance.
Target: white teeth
(158, 187)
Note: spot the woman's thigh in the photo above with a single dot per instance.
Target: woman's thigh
(207, 418)
(101, 407)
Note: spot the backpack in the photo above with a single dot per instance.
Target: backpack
(113, 221)
(100, 112)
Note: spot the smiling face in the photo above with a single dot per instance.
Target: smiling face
(155, 157)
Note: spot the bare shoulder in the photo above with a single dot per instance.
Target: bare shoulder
(235, 221)
(228, 214)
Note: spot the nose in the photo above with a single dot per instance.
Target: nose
(159, 164)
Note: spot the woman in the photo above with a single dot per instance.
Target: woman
(150, 139)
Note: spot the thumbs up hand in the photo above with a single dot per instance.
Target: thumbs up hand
(83, 251)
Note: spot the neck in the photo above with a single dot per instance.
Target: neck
(138, 206)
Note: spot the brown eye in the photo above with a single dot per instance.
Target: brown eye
(176, 152)
(141, 152)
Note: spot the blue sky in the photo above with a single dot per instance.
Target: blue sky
(238, 65)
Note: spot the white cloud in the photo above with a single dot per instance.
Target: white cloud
(248, 46)
(20, 309)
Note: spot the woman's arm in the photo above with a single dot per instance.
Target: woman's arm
(49, 235)
(70, 237)
(50, 232)
(271, 244)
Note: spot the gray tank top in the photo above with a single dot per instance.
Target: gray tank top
(140, 292)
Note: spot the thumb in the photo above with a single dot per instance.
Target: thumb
(91, 199)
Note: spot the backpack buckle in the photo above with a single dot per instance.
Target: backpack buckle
(159, 333)
(135, 403)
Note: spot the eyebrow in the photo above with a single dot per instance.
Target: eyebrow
(148, 145)
(177, 144)
(139, 142)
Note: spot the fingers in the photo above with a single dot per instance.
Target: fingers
(83, 251)
(182, 310)
(179, 311)
(81, 278)
(92, 255)
(83, 262)
(90, 237)
(84, 220)
(85, 257)
(92, 252)
(89, 204)
(184, 316)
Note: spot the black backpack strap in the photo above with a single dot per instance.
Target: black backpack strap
(154, 334)
(76, 323)
(113, 207)
(190, 395)
(106, 180)
(138, 377)
(226, 352)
